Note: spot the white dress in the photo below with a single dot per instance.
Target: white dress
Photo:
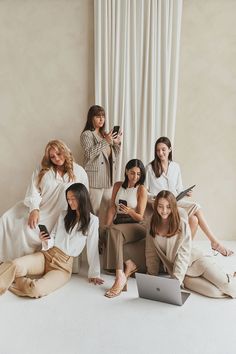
(16, 237)
(171, 181)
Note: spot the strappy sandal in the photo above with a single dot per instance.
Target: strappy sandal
(132, 272)
(221, 249)
(116, 290)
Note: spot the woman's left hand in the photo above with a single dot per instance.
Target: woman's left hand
(96, 281)
(117, 138)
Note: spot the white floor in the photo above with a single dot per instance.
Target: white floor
(78, 319)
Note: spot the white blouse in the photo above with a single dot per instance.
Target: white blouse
(171, 181)
(73, 243)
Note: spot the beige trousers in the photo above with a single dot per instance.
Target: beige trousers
(100, 199)
(117, 237)
(54, 266)
(213, 282)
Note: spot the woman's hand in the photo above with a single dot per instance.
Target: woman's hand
(117, 138)
(108, 137)
(125, 209)
(33, 218)
(96, 281)
(43, 236)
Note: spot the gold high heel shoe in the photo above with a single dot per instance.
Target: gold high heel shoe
(116, 290)
(132, 272)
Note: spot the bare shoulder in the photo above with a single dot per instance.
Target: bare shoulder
(117, 185)
(142, 190)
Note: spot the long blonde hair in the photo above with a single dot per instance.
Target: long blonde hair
(174, 218)
(47, 164)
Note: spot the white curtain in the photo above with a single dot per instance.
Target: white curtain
(136, 70)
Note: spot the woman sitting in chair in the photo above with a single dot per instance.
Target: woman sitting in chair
(123, 226)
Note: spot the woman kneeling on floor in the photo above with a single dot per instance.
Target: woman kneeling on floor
(128, 203)
(74, 229)
(168, 245)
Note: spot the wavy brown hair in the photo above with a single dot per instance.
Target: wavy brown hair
(174, 218)
(156, 163)
(46, 163)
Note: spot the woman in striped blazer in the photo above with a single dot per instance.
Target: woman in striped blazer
(100, 152)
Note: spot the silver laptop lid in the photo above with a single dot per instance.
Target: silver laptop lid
(160, 289)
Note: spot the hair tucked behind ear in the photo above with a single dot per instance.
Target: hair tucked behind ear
(84, 208)
(174, 218)
(156, 163)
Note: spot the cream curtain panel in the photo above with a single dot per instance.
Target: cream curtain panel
(136, 70)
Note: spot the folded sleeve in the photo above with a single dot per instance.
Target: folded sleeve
(92, 248)
(81, 175)
(33, 197)
(183, 254)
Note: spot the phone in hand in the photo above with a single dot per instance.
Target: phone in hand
(122, 201)
(116, 129)
(43, 228)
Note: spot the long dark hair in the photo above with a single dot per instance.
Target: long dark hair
(93, 112)
(134, 163)
(156, 163)
(174, 218)
(84, 207)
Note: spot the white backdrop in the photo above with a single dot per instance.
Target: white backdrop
(136, 70)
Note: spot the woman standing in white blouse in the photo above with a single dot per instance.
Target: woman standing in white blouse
(169, 249)
(74, 229)
(44, 200)
(164, 174)
(129, 199)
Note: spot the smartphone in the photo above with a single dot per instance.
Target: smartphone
(122, 201)
(116, 129)
(43, 228)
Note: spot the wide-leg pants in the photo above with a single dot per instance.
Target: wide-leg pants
(54, 266)
(213, 281)
(117, 237)
(100, 200)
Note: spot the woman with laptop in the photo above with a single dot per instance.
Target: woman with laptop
(74, 229)
(164, 174)
(124, 224)
(169, 249)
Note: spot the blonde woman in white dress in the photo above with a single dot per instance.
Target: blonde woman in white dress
(44, 200)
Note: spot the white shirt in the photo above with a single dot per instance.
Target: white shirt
(73, 243)
(171, 181)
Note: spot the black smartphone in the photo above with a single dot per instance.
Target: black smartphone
(43, 228)
(116, 129)
(122, 201)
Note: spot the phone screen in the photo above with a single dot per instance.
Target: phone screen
(43, 228)
(122, 201)
(116, 129)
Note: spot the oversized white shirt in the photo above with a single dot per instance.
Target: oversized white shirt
(171, 181)
(16, 237)
(74, 242)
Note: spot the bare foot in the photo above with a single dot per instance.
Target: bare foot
(119, 285)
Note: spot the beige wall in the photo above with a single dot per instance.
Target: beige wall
(46, 87)
(205, 143)
(46, 83)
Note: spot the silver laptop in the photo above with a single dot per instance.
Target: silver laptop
(160, 288)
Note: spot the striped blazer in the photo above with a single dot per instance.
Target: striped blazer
(100, 169)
